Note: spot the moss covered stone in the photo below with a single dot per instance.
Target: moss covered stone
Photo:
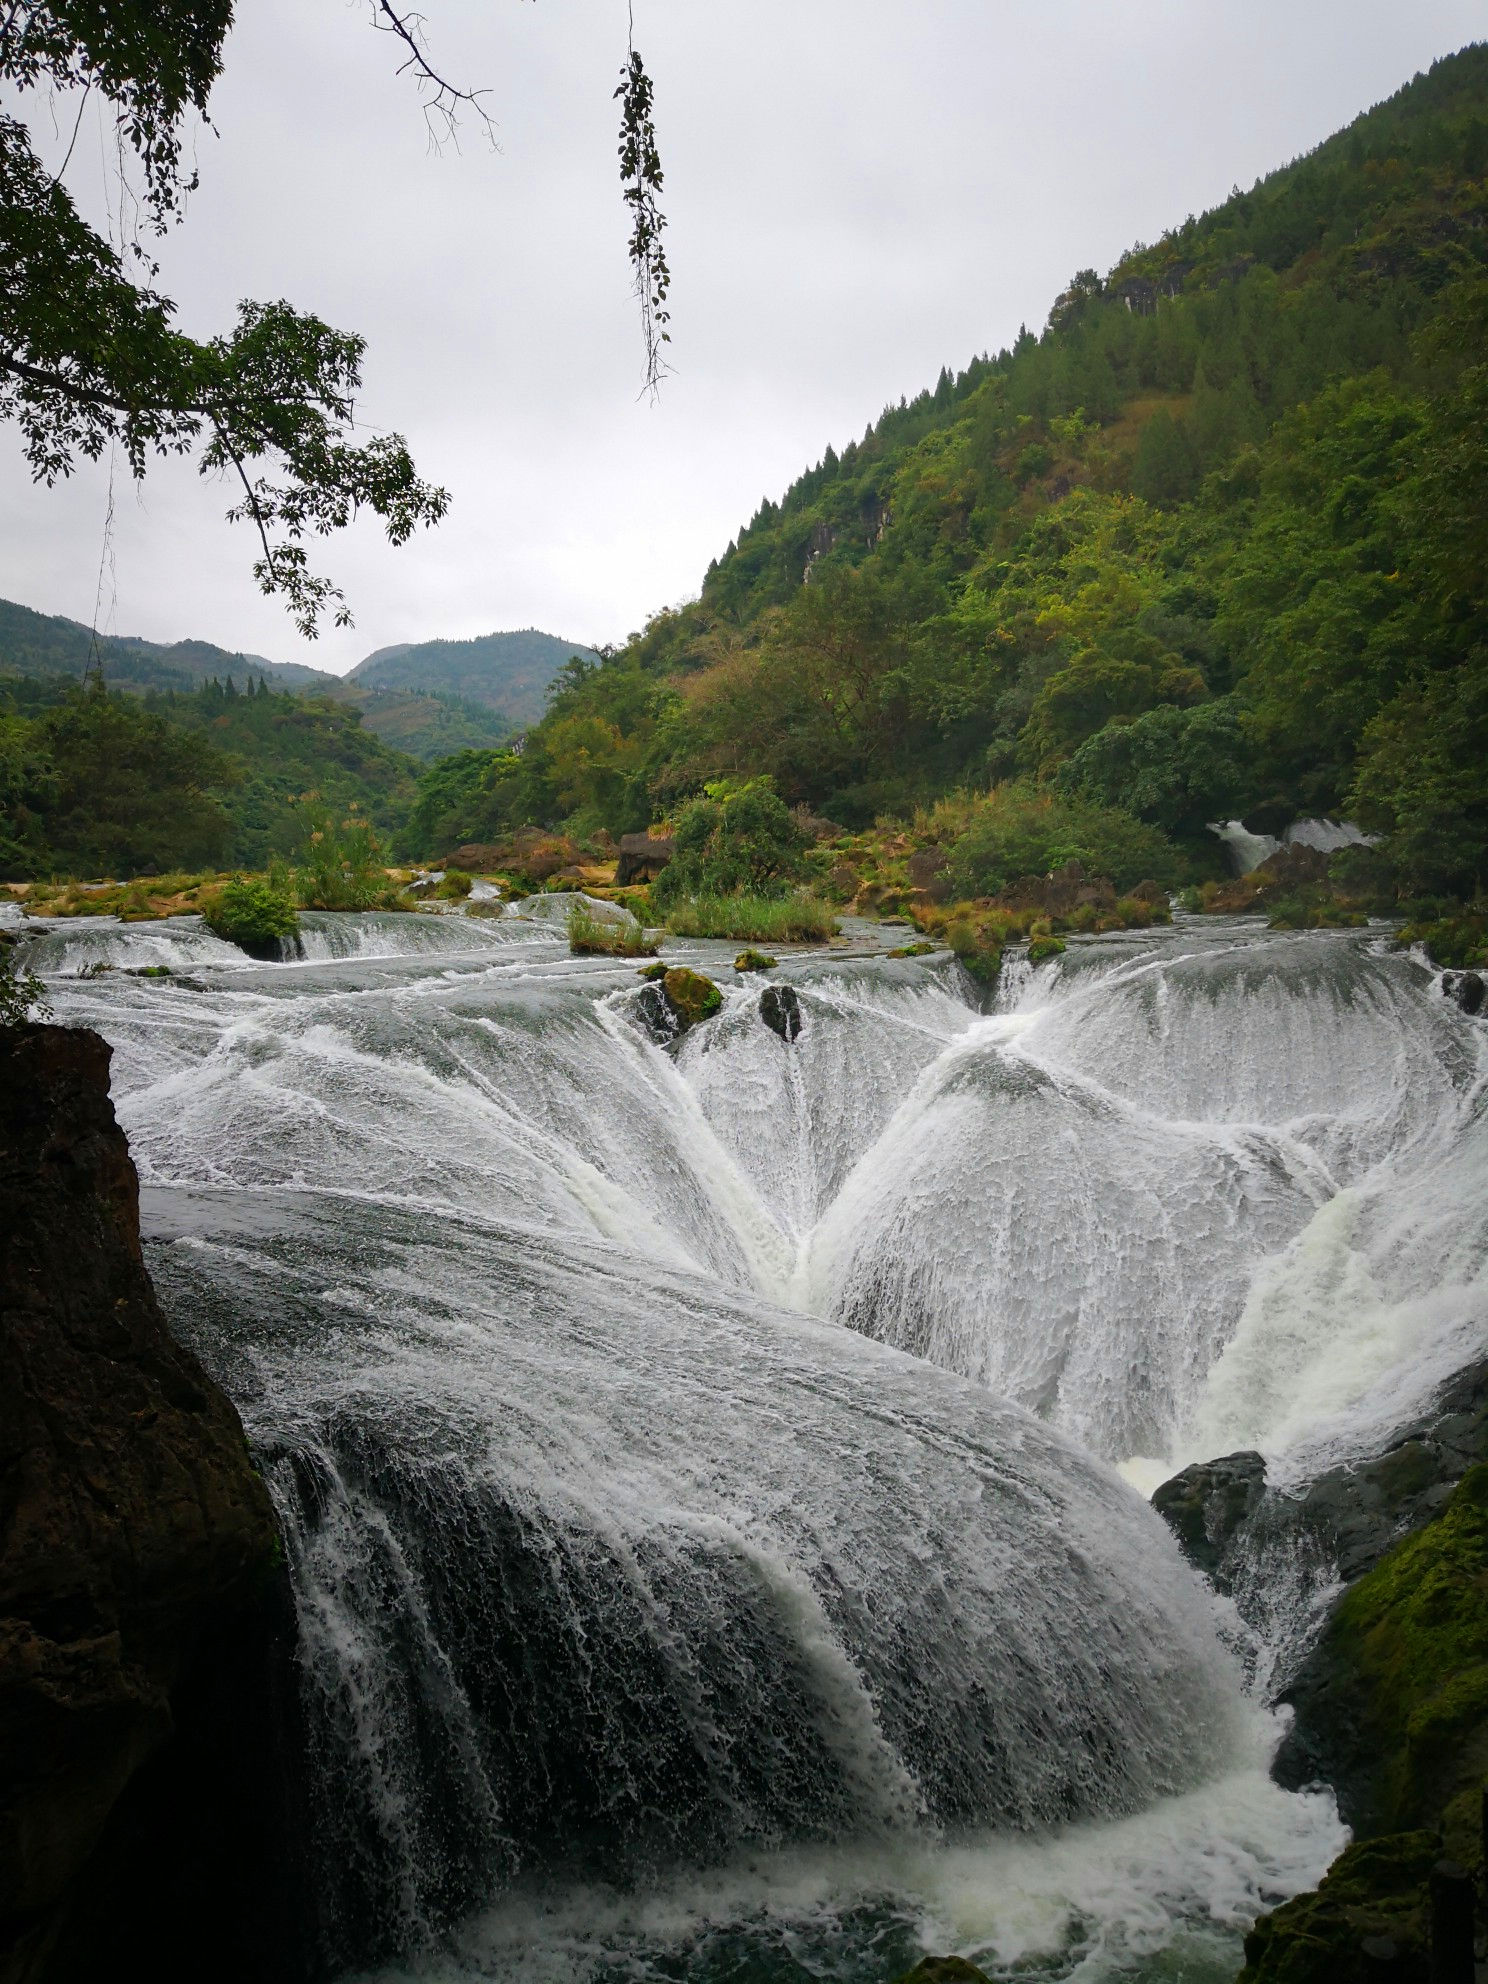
(1394, 1701)
(912, 951)
(653, 971)
(691, 997)
(1042, 948)
(1375, 1890)
(754, 961)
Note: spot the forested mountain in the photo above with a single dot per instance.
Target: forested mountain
(47, 644)
(1215, 541)
(427, 724)
(509, 673)
(95, 782)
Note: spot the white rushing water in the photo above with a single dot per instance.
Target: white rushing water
(698, 1464)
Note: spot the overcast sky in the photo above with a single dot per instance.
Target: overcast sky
(858, 191)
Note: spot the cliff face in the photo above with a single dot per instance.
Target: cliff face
(141, 1611)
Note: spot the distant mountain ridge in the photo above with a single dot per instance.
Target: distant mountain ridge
(507, 672)
(428, 699)
(34, 643)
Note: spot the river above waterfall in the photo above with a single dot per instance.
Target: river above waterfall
(701, 1465)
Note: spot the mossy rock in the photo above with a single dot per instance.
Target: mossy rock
(1041, 949)
(912, 951)
(1393, 1702)
(653, 971)
(754, 961)
(691, 997)
(1375, 1888)
(944, 1970)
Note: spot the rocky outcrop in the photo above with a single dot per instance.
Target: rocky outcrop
(780, 1009)
(1467, 988)
(1390, 1706)
(1207, 1507)
(1220, 1510)
(642, 858)
(141, 1608)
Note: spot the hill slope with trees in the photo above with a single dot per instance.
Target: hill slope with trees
(508, 673)
(1212, 543)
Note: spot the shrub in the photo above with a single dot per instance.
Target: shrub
(340, 865)
(733, 840)
(1020, 829)
(1041, 949)
(1456, 943)
(251, 913)
(754, 919)
(20, 991)
(594, 936)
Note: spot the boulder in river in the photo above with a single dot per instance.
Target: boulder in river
(1467, 988)
(780, 1009)
(142, 1607)
(1208, 1504)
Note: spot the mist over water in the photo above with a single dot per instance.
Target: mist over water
(698, 1467)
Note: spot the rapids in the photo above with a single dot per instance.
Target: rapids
(698, 1466)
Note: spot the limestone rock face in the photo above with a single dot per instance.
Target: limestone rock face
(137, 1559)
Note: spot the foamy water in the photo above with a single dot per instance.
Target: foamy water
(699, 1466)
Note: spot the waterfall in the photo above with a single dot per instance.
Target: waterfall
(698, 1460)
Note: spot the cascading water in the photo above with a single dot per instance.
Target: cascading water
(652, 1621)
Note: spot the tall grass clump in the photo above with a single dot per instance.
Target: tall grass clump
(341, 866)
(799, 919)
(593, 936)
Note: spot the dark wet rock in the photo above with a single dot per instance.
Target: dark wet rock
(654, 1014)
(1207, 1507)
(780, 1009)
(944, 1970)
(1354, 1513)
(1390, 1703)
(142, 1607)
(1467, 988)
(675, 1000)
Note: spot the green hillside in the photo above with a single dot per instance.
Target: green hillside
(97, 782)
(1213, 542)
(43, 644)
(509, 673)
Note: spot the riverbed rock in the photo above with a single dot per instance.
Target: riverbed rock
(1467, 989)
(1208, 1505)
(944, 1970)
(692, 997)
(141, 1603)
(780, 1009)
(1392, 1703)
